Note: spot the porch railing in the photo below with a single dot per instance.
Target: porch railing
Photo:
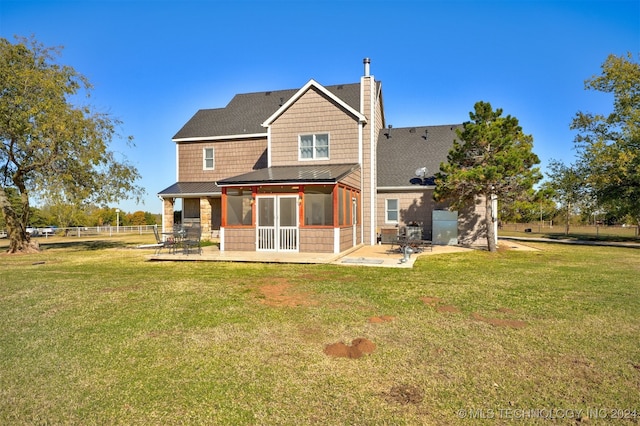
(266, 238)
(288, 239)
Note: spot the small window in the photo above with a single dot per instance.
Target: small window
(207, 156)
(314, 147)
(391, 211)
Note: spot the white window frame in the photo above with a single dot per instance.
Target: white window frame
(314, 147)
(204, 158)
(387, 210)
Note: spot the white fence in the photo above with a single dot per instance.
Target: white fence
(83, 231)
(559, 227)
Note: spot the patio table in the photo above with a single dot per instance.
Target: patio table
(417, 245)
(176, 238)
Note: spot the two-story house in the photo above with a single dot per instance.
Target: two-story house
(314, 169)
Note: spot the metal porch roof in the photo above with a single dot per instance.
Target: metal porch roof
(180, 189)
(292, 174)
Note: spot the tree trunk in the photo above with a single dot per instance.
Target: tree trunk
(566, 226)
(19, 239)
(490, 221)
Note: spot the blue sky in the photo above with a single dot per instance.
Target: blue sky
(153, 64)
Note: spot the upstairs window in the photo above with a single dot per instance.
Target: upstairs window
(314, 147)
(207, 159)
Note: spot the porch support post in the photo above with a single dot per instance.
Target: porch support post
(167, 214)
(223, 217)
(205, 216)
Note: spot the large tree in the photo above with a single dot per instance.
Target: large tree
(567, 188)
(491, 158)
(609, 145)
(48, 145)
(530, 207)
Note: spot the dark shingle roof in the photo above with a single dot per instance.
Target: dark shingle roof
(179, 189)
(293, 174)
(246, 112)
(407, 149)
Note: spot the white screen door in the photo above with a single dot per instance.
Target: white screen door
(277, 223)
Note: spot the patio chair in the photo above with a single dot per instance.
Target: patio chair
(169, 244)
(192, 240)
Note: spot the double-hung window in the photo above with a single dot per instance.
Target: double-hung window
(391, 210)
(207, 159)
(314, 147)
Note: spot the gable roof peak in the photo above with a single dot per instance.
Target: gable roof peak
(312, 83)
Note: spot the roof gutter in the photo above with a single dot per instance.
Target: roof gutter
(189, 194)
(405, 188)
(220, 138)
(278, 182)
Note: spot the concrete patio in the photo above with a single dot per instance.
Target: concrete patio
(382, 255)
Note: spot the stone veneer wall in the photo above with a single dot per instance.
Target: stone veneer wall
(205, 217)
(216, 216)
(167, 210)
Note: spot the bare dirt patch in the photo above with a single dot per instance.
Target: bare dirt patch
(405, 394)
(284, 294)
(326, 276)
(358, 347)
(435, 302)
(499, 322)
(431, 301)
(447, 309)
(381, 319)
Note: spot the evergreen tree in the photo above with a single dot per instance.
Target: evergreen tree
(492, 158)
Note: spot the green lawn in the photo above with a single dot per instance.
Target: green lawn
(92, 333)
